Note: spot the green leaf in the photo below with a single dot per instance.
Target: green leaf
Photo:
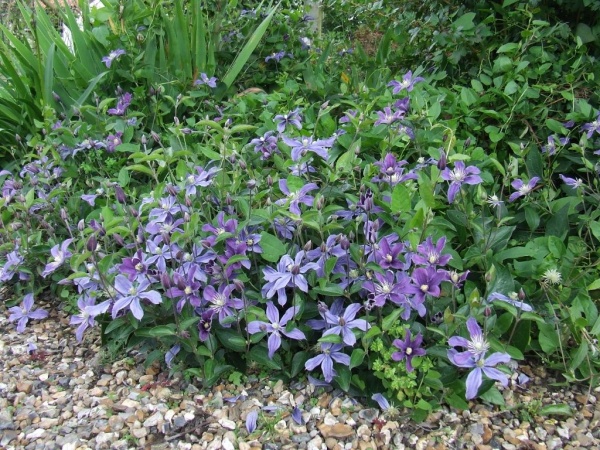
(298, 362)
(260, 355)
(509, 47)
(578, 355)
(272, 247)
(508, 3)
(548, 338)
(358, 355)
(511, 87)
(585, 33)
(532, 218)
(556, 410)
(493, 396)
(391, 319)
(331, 339)
(343, 377)
(457, 402)
(246, 52)
(465, 22)
(231, 340)
(158, 331)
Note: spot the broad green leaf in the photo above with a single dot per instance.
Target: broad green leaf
(157, 332)
(465, 22)
(298, 362)
(400, 199)
(578, 355)
(357, 357)
(272, 247)
(260, 354)
(548, 338)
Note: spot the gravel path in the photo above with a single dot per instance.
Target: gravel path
(68, 396)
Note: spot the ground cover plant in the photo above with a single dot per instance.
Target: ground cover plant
(409, 234)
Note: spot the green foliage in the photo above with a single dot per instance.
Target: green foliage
(524, 107)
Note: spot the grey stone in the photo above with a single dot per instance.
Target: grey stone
(300, 438)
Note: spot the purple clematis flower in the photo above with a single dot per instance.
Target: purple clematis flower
(25, 312)
(392, 171)
(266, 145)
(300, 147)
(251, 419)
(387, 116)
(170, 356)
(474, 358)
(122, 104)
(293, 118)
(522, 188)
(408, 83)
(515, 302)
(131, 295)
(205, 324)
(381, 401)
(108, 60)
(431, 255)
(221, 302)
(289, 273)
(458, 176)
(575, 183)
(204, 178)
(60, 253)
(343, 323)
(276, 327)
(329, 354)
(297, 197)
(409, 348)
(89, 198)
(592, 127)
(386, 287)
(426, 281)
(204, 79)
(88, 310)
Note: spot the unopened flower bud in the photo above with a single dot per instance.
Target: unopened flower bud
(251, 184)
(165, 280)
(176, 121)
(144, 139)
(468, 142)
(63, 214)
(172, 190)
(92, 243)
(487, 312)
(187, 130)
(155, 137)
(308, 246)
(81, 225)
(269, 181)
(228, 199)
(119, 239)
(239, 285)
(186, 217)
(56, 97)
(243, 164)
(120, 194)
(320, 203)
(188, 202)
(522, 294)
(344, 243)
(17, 138)
(443, 161)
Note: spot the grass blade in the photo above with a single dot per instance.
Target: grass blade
(246, 52)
